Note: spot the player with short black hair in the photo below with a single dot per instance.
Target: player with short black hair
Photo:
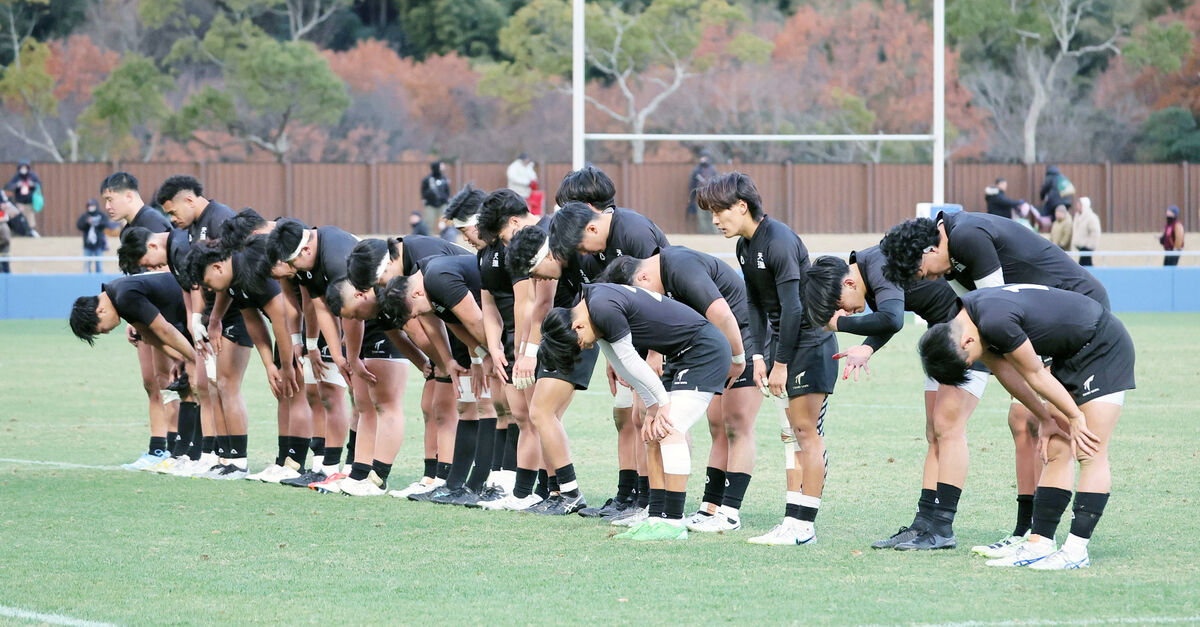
(626, 322)
(834, 290)
(589, 185)
(773, 259)
(713, 289)
(1009, 328)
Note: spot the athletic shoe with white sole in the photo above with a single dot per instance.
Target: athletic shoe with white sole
(214, 472)
(514, 504)
(565, 505)
(1003, 548)
(699, 516)
(631, 517)
(653, 530)
(191, 467)
(265, 474)
(371, 486)
(417, 487)
(1028, 553)
(231, 472)
(715, 523)
(331, 485)
(788, 532)
(305, 478)
(164, 467)
(1061, 560)
(145, 461)
(905, 534)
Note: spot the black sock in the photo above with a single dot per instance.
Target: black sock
(359, 471)
(808, 514)
(1089, 506)
(197, 439)
(567, 484)
(208, 444)
(381, 469)
(552, 483)
(464, 451)
(172, 440)
(317, 446)
(223, 447)
(485, 440)
(1024, 514)
(158, 446)
(498, 443)
(735, 489)
(298, 450)
(673, 504)
(524, 484)
(333, 455)
(658, 502)
(946, 508)
(543, 487)
(430, 467)
(626, 484)
(281, 455)
(189, 415)
(791, 510)
(643, 491)
(510, 447)
(443, 470)
(350, 446)
(714, 485)
(925, 505)
(237, 446)
(1048, 507)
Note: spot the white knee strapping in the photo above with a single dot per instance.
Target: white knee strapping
(676, 458)
(169, 396)
(623, 399)
(210, 366)
(465, 395)
(688, 407)
(1116, 398)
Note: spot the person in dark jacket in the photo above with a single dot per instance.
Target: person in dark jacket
(92, 224)
(1056, 190)
(998, 204)
(7, 210)
(23, 185)
(417, 224)
(704, 172)
(435, 192)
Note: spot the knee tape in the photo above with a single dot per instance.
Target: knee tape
(465, 395)
(676, 459)
(688, 407)
(169, 396)
(623, 399)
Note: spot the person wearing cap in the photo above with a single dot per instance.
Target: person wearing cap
(520, 175)
(1172, 237)
(93, 223)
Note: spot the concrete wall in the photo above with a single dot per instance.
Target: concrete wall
(1130, 289)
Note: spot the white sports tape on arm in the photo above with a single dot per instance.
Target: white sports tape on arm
(635, 371)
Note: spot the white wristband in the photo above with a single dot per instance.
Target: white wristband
(296, 339)
(310, 343)
(531, 349)
(757, 356)
(739, 358)
(480, 353)
(477, 361)
(198, 318)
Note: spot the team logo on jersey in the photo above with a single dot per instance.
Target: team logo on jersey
(203, 233)
(762, 265)
(1087, 386)
(957, 266)
(496, 259)
(379, 346)
(742, 259)
(799, 377)
(679, 376)
(619, 253)
(601, 256)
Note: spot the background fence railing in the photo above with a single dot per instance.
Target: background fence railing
(813, 198)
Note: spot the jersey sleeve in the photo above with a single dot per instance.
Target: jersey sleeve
(783, 258)
(973, 247)
(135, 307)
(446, 288)
(1000, 328)
(608, 319)
(695, 289)
(883, 289)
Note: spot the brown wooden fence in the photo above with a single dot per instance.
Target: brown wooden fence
(834, 198)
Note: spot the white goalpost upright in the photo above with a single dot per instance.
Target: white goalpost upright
(579, 134)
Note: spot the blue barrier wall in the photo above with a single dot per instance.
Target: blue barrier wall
(1130, 289)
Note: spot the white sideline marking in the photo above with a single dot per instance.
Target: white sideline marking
(53, 619)
(1129, 620)
(6, 460)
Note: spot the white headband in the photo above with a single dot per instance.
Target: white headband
(462, 224)
(296, 253)
(383, 264)
(541, 254)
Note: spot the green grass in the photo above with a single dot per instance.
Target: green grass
(137, 548)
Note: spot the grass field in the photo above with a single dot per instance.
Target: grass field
(102, 544)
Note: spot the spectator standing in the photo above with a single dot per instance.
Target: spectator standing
(417, 224)
(26, 189)
(1056, 190)
(521, 175)
(6, 210)
(998, 204)
(93, 223)
(1063, 228)
(1086, 231)
(704, 172)
(435, 192)
(1172, 237)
